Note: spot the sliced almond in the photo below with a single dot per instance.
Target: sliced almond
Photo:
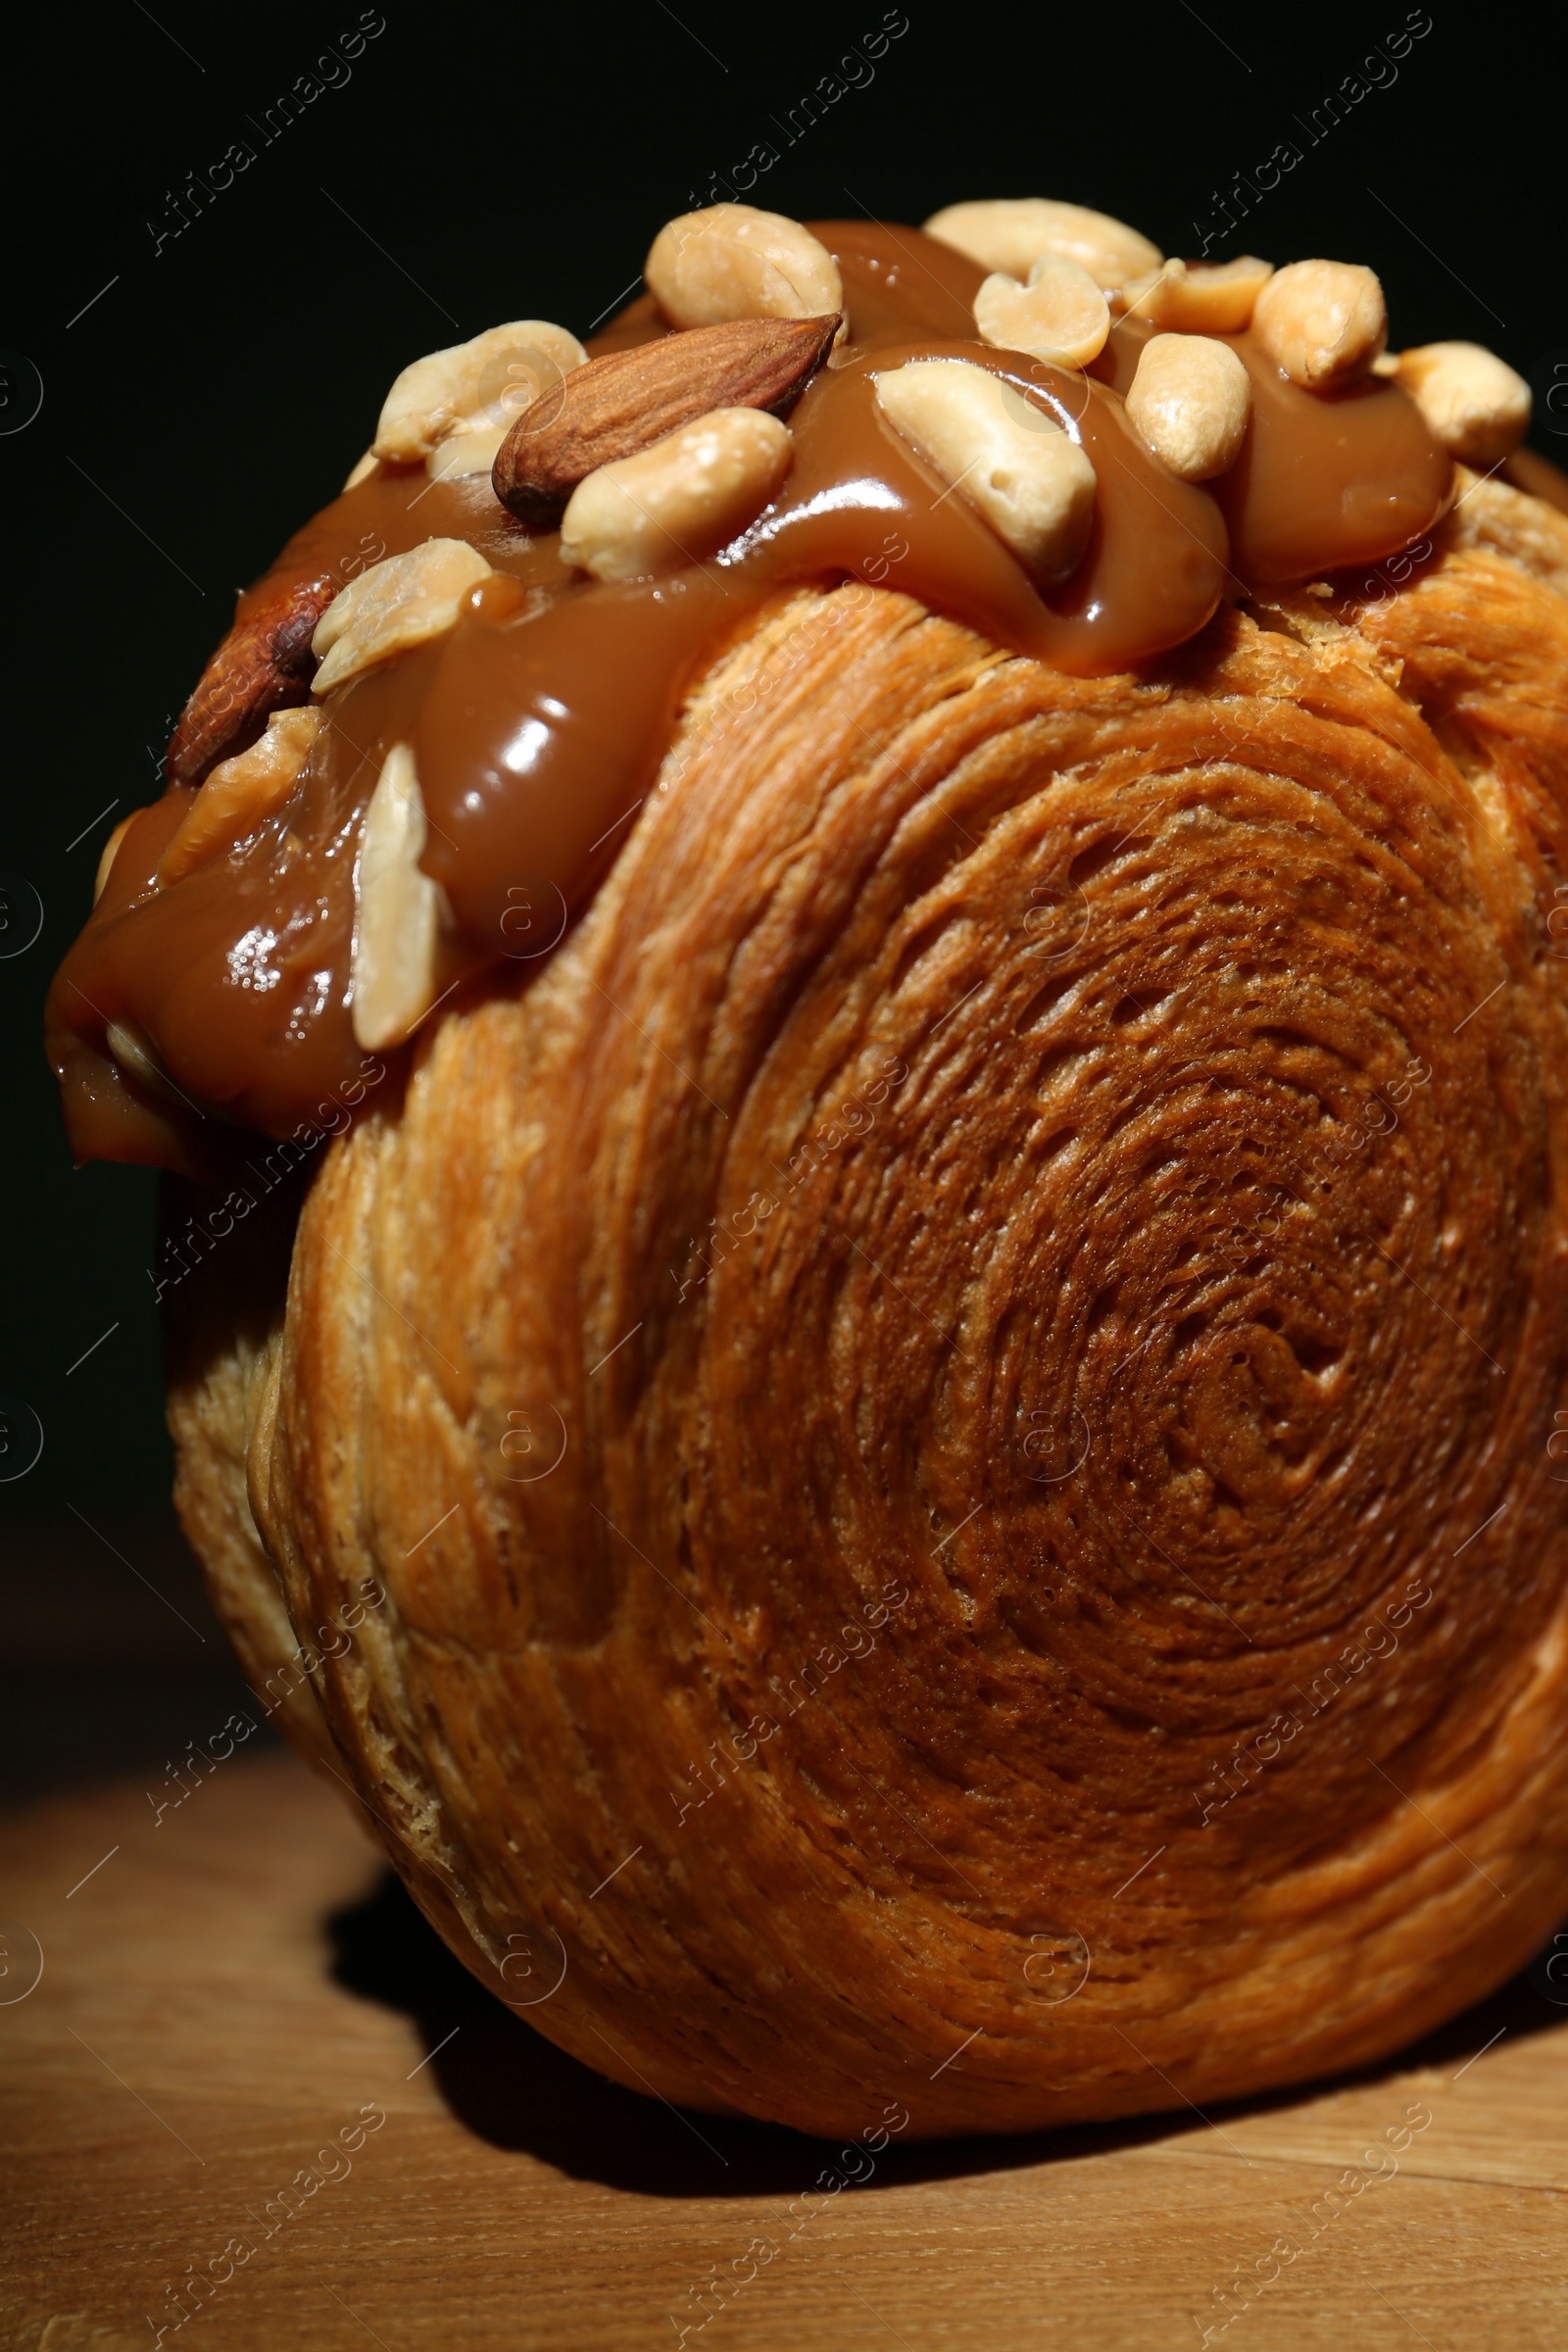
(399, 911)
(241, 793)
(263, 664)
(1012, 233)
(402, 602)
(623, 403)
(359, 471)
(487, 382)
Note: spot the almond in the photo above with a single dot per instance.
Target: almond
(263, 664)
(616, 407)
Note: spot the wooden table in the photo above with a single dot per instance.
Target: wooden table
(232, 1991)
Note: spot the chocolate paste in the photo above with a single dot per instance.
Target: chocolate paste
(539, 721)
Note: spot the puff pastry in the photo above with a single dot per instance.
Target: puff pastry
(921, 1461)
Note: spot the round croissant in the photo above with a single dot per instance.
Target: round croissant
(948, 1416)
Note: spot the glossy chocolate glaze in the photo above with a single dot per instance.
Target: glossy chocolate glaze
(1326, 480)
(539, 722)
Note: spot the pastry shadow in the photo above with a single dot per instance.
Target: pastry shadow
(515, 2090)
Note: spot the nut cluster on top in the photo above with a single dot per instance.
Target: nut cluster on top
(653, 457)
(1061, 273)
(646, 462)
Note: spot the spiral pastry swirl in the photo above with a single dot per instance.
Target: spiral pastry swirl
(952, 1406)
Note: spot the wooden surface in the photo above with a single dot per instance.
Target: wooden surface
(234, 1988)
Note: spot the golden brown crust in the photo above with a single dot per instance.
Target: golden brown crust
(961, 1387)
(1490, 513)
(222, 1348)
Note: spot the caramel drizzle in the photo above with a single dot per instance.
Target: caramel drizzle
(540, 722)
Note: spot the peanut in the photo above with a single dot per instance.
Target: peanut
(680, 499)
(1473, 401)
(135, 1052)
(1062, 314)
(1199, 298)
(400, 602)
(1012, 233)
(487, 382)
(1323, 322)
(108, 853)
(1191, 399)
(240, 794)
(466, 452)
(398, 910)
(731, 260)
(1029, 478)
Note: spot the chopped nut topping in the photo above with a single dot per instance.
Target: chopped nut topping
(401, 601)
(240, 794)
(1324, 322)
(1029, 478)
(1012, 233)
(681, 499)
(1199, 298)
(1062, 314)
(398, 910)
(1191, 399)
(472, 386)
(731, 260)
(361, 471)
(1473, 401)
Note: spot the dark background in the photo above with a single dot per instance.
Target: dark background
(202, 396)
